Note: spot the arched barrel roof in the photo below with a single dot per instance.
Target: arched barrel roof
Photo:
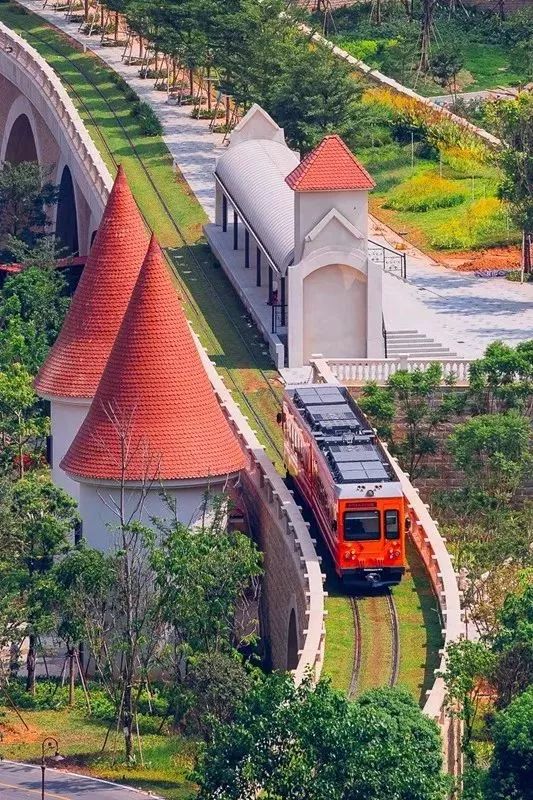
(253, 175)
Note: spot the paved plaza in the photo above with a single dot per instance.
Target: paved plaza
(461, 311)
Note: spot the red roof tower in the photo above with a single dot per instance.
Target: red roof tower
(155, 403)
(330, 167)
(76, 361)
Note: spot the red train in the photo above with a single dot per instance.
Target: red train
(345, 475)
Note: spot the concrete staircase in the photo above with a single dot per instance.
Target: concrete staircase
(415, 345)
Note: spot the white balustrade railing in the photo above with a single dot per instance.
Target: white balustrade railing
(358, 371)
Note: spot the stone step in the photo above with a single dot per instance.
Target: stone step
(415, 344)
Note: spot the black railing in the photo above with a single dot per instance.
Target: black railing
(279, 317)
(384, 332)
(390, 260)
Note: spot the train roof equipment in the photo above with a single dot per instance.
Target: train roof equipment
(351, 449)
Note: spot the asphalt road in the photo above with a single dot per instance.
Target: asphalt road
(23, 782)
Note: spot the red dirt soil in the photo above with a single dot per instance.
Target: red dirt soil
(470, 261)
(15, 734)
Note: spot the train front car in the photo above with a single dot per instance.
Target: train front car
(345, 476)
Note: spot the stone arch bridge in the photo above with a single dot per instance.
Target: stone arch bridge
(38, 122)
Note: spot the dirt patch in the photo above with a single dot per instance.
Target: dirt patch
(472, 261)
(17, 734)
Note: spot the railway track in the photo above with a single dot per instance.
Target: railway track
(200, 324)
(381, 611)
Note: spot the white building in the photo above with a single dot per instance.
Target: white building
(303, 251)
(71, 373)
(154, 426)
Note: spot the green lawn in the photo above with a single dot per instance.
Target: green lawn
(168, 759)
(486, 65)
(392, 166)
(420, 627)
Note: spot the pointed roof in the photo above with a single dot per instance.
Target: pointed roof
(76, 361)
(330, 167)
(155, 398)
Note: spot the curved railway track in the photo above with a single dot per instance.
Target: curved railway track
(201, 325)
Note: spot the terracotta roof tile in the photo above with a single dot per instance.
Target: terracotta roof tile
(154, 396)
(331, 166)
(76, 361)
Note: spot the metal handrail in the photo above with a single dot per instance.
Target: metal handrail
(384, 332)
(281, 313)
(398, 254)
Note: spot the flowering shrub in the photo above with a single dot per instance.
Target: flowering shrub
(482, 223)
(424, 192)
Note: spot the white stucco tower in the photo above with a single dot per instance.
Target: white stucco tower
(154, 427)
(70, 375)
(334, 292)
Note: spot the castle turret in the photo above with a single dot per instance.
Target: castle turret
(155, 425)
(71, 373)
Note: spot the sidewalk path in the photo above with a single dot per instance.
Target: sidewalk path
(458, 310)
(23, 782)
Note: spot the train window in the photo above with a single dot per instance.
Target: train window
(392, 527)
(361, 526)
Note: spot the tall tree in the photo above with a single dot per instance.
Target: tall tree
(26, 194)
(22, 424)
(311, 743)
(43, 518)
(512, 765)
(513, 122)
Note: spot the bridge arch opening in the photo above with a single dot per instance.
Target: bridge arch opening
(292, 642)
(67, 216)
(21, 145)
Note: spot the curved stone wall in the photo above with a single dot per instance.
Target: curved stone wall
(293, 577)
(37, 90)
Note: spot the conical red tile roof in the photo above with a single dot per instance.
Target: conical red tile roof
(76, 361)
(331, 166)
(155, 399)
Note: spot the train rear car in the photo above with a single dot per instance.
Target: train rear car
(346, 477)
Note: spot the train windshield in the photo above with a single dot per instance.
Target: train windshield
(361, 526)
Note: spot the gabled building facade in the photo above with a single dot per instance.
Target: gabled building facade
(305, 239)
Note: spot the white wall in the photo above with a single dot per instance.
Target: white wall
(66, 416)
(335, 317)
(311, 207)
(97, 504)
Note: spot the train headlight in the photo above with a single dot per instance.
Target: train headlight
(394, 553)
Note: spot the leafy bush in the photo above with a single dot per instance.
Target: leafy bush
(463, 161)
(424, 192)
(483, 223)
(363, 49)
(148, 120)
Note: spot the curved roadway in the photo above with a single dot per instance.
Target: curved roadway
(23, 782)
